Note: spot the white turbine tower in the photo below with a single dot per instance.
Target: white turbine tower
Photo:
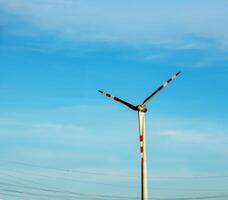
(142, 132)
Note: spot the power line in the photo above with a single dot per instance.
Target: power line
(72, 171)
(103, 197)
(16, 177)
(75, 195)
(69, 194)
(57, 190)
(117, 174)
(66, 178)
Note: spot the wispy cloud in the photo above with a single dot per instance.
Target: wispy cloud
(190, 136)
(190, 130)
(136, 23)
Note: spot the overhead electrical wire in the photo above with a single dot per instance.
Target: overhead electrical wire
(52, 192)
(116, 174)
(68, 194)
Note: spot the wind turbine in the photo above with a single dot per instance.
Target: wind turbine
(141, 109)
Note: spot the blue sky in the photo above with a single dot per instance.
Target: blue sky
(54, 57)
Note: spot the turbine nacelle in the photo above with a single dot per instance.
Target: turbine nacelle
(141, 108)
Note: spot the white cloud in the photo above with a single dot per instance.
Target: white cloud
(31, 127)
(184, 136)
(192, 131)
(194, 136)
(146, 22)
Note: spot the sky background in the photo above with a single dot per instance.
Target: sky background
(58, 133)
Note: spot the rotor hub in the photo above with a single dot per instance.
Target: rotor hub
(142, 108)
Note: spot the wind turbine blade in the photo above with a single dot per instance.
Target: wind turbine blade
(119, 100)
(159, 89)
